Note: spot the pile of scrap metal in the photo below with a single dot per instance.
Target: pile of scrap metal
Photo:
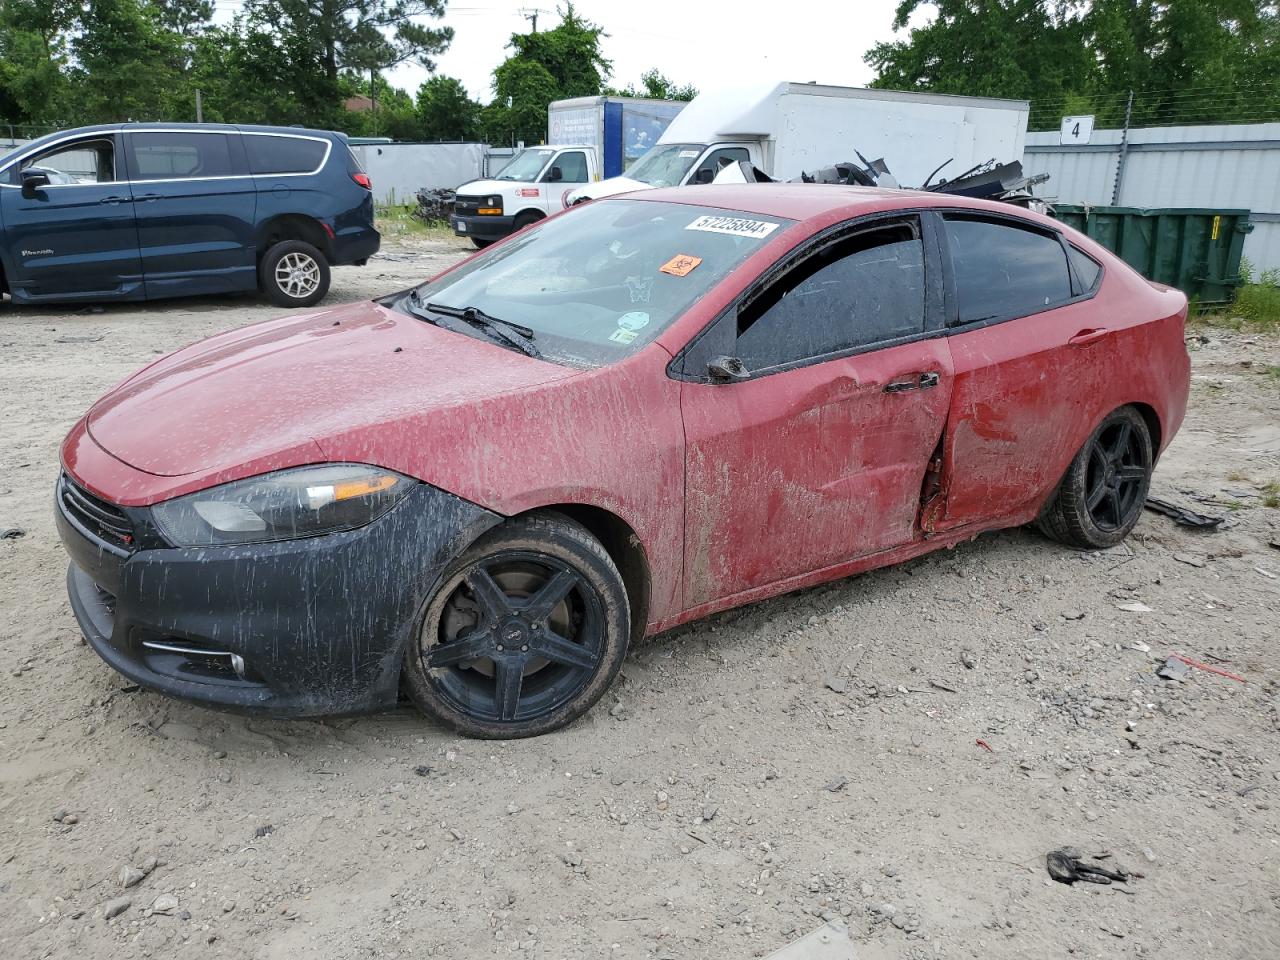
(987, 181)
(434, 205)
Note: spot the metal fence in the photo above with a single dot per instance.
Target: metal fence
(1220, 166)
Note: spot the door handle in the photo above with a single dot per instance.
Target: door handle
(1086, 337)
(923, 381)
(149, 196)
(114, 200)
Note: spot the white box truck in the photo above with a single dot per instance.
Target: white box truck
(588, 138)
(788, 128)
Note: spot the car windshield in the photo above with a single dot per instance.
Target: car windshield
(525, 165)
(666, 164)
(601, 281)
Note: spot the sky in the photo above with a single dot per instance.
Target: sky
(708, 44)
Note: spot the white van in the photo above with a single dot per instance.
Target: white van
(788, 128)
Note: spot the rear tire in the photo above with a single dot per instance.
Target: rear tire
(293, 273)
(527, 630)
(1102, 493)
(480, 244)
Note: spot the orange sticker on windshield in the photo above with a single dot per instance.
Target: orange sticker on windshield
(680, 265)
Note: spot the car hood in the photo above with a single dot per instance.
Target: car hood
(478, 188)
(276, 391)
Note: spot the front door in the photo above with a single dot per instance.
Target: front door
(73, 237)
(819, 455)
(195, 203)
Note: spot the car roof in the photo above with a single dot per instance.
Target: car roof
(806, 201)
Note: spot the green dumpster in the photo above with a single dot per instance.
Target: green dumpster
(1198, 251)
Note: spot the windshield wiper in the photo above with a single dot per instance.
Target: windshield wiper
(520, 337)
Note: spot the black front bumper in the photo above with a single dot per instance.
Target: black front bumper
(483, 228)
(299, 628)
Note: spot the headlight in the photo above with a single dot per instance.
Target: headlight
(493, 201)
(303, 502)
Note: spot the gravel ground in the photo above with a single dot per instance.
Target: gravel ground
(821, 754)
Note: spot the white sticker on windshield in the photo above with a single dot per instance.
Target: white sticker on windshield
(635, 320)
(734, 226)
(688, 154)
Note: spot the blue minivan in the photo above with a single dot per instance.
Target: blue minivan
(138, 211)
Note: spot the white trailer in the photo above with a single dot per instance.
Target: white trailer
(788, 128)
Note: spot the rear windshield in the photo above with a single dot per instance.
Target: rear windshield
(280, 154)
(604, 279)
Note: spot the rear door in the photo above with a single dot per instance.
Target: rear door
(818, 455)
(75, 237)
(195, 205)
(1031, 366)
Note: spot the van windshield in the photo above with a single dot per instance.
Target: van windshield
(666, 164)
(525, 165)
(600, 281)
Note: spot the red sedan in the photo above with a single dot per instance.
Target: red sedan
(629, 416)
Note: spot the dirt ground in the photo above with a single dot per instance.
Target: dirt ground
(818, 754)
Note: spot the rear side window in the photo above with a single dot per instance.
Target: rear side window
(856, 292)
(1087, 269)
(1004, 271)
(271, 154)
(179, 156)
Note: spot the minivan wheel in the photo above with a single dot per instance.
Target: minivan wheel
(480, 244)
(1102, 494)
(294, 274)
(527, 630)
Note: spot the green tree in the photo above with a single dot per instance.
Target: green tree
(550, 65)
(655, 86)
(34, 50)
(362, 35)
(126, 63)
(446, 112)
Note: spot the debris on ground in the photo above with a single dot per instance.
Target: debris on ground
(1208, 668)
(12, 533)
(434, 205)
(1066, 865)
(1181, 515)
(1135, 606)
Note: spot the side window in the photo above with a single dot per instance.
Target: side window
(1003, 270)
(573, 167)
(716, 160)
(179, 156)
(271, 155)
(1087, 269)
(84, 161)
(865, 289)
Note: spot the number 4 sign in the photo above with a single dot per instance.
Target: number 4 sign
(1077, 129)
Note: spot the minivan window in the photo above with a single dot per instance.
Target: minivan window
(856, 292)
(270, 155)
(84, 161)
(1003, 270)
(178, 156)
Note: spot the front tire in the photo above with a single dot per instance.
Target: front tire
(1101, 496)
(527, 630)
(294, 274)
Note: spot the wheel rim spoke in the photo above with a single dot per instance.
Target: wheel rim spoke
(1130, 474)
(1096, 496)
(493, 601)
(508, 679)
(471, 647)
(546, 599)
(1121, 441)
(557, 649)
(1113, 501)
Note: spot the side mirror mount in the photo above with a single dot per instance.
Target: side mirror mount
(727, 370)
(33, 180)
(555, 175)
(704, 175)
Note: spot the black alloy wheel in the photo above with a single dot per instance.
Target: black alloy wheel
(525, 633)
(1117, 475)
(1102, 493)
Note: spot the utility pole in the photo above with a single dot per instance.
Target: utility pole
(1124, 151)
(199, 106)
(531, 14)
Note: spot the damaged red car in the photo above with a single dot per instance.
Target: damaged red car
(647, 409)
